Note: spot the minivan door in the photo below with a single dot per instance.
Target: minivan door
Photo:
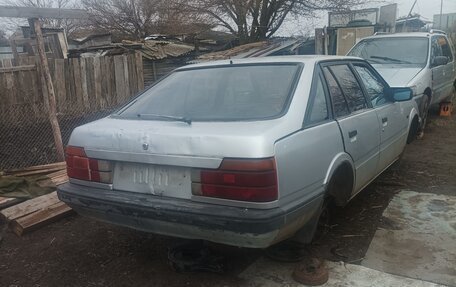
(441, 74)
(449, 69)
(357, 121)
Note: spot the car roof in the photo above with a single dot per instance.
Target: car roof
(305, 59)
(403, 35)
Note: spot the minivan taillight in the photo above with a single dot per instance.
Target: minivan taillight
(252, 180)
(79, 166)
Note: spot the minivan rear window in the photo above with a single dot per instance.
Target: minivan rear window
(219, 93)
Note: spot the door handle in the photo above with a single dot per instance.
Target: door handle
(352, 134)
(384, 120)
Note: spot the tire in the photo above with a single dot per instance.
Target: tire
(414, 130)
(427, 102)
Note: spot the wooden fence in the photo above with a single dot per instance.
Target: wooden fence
(82, 85)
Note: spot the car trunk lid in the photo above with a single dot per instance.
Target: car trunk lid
(157, 157)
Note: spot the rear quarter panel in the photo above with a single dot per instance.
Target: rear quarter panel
(303, 161)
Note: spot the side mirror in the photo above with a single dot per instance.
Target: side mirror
(439, 61)
(401, 94)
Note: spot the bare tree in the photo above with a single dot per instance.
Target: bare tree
(175, 18)
(253, 20)
(137, 19)
(131, 18)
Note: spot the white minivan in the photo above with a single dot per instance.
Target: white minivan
(422, 61)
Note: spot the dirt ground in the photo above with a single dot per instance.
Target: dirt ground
(78, 251)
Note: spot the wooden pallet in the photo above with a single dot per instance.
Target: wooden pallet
(34, 213)
(25, 216)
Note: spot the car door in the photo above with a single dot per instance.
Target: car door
(357, 121)
(438, 72)
(448, 71)
(391, 115)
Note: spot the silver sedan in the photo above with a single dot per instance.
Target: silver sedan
(241, 152)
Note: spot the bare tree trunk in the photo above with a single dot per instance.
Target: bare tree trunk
(51, 93)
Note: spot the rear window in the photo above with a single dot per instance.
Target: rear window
(220, 93)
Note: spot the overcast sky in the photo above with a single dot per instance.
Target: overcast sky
(426, 8)
(306, 27)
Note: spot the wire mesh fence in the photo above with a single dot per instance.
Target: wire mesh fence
(26, 143)
(86, 90)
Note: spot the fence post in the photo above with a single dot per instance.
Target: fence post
(51, 94)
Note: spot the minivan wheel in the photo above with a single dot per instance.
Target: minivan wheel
(427, 103)
(414, 130)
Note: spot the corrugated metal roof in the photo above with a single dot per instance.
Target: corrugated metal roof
(257, 49)
(158, 50)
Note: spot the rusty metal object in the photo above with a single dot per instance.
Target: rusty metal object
(311, 271)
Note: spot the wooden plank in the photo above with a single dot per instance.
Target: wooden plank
(12, 69)
(85, 92)
(78, 84)
(35, 98)
(69, 96)
(15, 53)
(91, 84)
(9, 201)
(43, 95)
(60, 180)
(131, 75)
(35, 12)
(111, 88)
(29, 206)
(61, 164)
(105, 80)
(59, 83)
(40, 218)
(97, 82)
(9, 82)
(36, 172)
(119, 79)
(126, 78)
(139, 71)
(57, 173)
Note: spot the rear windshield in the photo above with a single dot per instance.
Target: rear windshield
(394, 50)
(220, 93)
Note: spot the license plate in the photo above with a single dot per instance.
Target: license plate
(153, 179)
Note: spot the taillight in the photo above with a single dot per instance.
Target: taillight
(79, 166)
(238, 179)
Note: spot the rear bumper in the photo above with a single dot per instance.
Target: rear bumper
(184, 218)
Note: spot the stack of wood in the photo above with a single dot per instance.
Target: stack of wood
(46, 169)
(29, 215)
